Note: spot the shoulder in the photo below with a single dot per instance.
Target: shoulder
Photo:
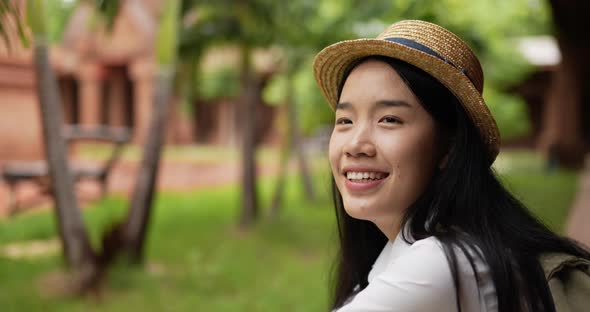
(476, 286)
(425, 259)
(424, 252)
(430, 255)
(430, 251)
(418, 278)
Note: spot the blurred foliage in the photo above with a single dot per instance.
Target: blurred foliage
(509, 111)
(221, 83)
(490, 28)
(59, 12)
(312, 110)
(166, 38)
(319, 23)
(108, 10)
(9, 23)
(302, 28)
(36, 19)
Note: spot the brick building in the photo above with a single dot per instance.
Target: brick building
(104, 78)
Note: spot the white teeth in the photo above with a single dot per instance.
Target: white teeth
(364, 175)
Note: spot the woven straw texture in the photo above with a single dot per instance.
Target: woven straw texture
(461, 73)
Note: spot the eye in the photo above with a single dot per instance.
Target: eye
(343, 121)
(390, 119)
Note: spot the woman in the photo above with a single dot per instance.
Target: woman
(424, 223)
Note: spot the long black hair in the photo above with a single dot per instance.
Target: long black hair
(465, 207)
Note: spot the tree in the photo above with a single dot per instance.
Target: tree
(130, 235)
(135, 227)
(78, 253)
(74, 238)
(247, 24)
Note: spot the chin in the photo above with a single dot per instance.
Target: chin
(361, 211)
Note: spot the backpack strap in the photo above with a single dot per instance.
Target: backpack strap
(568, 278)
(554, 263)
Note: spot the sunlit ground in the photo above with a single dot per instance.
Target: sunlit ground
(197, 260)
(180, 153)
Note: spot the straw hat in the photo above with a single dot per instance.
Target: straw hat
(427, 46)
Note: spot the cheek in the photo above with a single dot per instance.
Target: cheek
(334, 151)
(418, 162)
(411, 156)
(419, 153)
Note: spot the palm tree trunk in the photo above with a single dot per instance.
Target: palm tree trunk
(138, 219)
(247, 108)
(76, 246)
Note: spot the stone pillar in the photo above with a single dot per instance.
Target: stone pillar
(117, 101)
(142, 74)
(90, 95)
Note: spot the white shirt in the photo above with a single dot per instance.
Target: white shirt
(417, 278)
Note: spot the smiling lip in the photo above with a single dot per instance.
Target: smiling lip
(362, 186)
(366, 185)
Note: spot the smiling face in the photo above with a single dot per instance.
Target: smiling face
(383, 149)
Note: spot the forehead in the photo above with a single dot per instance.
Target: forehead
(372, 81)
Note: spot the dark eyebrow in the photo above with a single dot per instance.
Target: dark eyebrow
(390, 103)
(380, 103)
(343, 105)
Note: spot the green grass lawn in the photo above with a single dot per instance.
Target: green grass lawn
(199, 261)
(548, 194)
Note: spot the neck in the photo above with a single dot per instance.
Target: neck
(391, 227)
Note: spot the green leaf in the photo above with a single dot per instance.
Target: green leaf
(24, 39)
(166, 41)
(275, 92)
(108, 10)
(222, 83)
(37, 18)
(9, 18)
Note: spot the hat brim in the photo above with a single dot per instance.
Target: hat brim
(332, 62)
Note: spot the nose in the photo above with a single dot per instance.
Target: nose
(361, 143)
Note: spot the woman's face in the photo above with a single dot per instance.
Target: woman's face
(382, 150)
